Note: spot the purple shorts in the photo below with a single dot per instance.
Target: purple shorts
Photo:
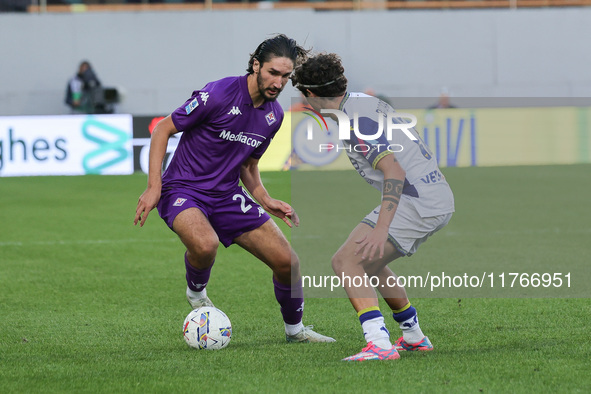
(230, 216)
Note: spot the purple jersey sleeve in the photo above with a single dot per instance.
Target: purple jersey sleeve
(197, 109)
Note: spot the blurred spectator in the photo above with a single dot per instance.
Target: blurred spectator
(82, 90)
(443, 101)
(86, 95)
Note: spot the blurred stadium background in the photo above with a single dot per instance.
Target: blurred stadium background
(483, 54)
(159, 55)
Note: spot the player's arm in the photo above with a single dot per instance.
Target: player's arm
(158, 144)
(394, 176)
(251, 179)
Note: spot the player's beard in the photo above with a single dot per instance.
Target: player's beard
(263, 90)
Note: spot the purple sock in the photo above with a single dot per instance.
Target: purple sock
(291, 299)
(196, 279)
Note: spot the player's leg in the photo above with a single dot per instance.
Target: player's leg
(403, 313)
(348, 266)
(269, 245)
(408, 231)
(201, 241)
(412, 230)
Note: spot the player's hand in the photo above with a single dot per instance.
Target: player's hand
(147, 201)
(373, 242)
(283, 211)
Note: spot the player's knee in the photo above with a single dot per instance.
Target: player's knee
(285, 267)
(205, 249)
(341, 262)
(337, 263)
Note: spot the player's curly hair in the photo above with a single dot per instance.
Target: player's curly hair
(322, 74)
(277, 46)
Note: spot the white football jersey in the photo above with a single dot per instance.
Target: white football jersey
(425, 186)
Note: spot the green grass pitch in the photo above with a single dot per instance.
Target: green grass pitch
(90, 303)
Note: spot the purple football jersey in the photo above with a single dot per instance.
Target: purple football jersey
(221, 130)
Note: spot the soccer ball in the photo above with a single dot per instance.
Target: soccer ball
(207, 328)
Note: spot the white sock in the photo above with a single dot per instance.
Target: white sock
(196, 295)
(375, 331)
(292, 329)
(411, 332)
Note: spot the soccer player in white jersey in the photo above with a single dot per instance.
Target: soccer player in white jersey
(416, 202)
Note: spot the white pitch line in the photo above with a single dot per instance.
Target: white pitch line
(83, 242)
(521, 232)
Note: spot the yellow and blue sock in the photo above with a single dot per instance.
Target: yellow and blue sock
(374, 327)
(409, 323)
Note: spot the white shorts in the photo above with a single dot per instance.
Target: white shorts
(409, 230)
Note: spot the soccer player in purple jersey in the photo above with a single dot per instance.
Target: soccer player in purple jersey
(227, 126)
(416, 202)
